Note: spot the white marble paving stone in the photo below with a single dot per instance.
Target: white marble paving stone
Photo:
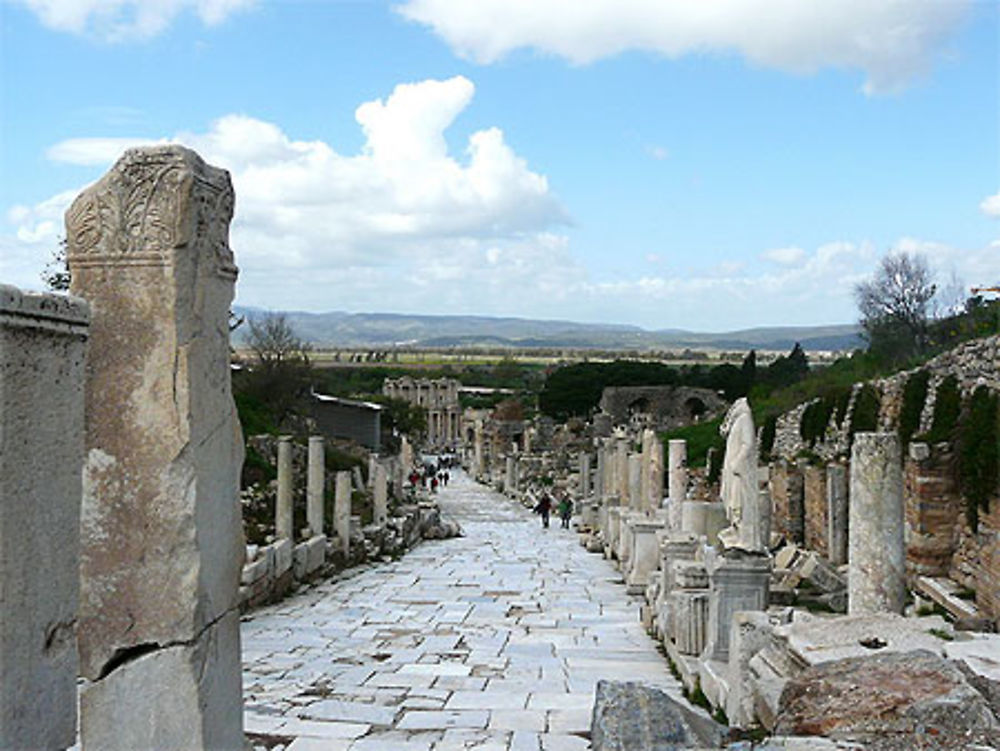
(419, 719)
(507, 629)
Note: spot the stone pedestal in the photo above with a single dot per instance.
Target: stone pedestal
(381, 510)
(836, 513)
(43, 345)
(876, 556)
(316, 485)
(738, 582)
(283, 509)
(677, 479)
(645, 554)
(342, 511)
(161, 538)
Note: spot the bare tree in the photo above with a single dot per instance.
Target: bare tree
(281, 374)
(274, 342)
(894, 304)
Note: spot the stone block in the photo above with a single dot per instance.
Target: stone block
(283, 552)
(634, 717)
(879, 697)
(738, 582)
(173, 698)
(688, 613)
(256, 570)
(43, 345)
(814, 569)
(751, 632)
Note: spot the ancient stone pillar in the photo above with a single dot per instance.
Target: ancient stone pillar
(599, 474)
(654, 488)
(584, 488)
(342, 510)
(508, 480)
(645, 467)
(43, 345)
(876, 554)
(677, 478)
(283, 509)
(381, 511)
(836, 514)
(478, 449)
(161, 538)
(635, 499)
(316, 484)
(621, 472)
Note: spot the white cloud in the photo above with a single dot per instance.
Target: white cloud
(890, 40)
(784, 256)
(123, 20)
(308, 218)
(659, 153)
(991, 206)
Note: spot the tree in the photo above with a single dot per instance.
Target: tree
(281, 373)
(894, 305)
(55, 275)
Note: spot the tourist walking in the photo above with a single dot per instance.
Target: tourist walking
(544, 508)
(565, 511)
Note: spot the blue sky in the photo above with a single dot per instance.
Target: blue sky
(665, 163)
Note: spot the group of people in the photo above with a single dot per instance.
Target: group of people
(430, 476)
(564, 507)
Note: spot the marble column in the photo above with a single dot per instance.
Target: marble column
(836, 514)
(161, 540)
(381, 510)
(677, 478)
(876, 552)
(654, 497)
(635, 499)
(316, 484)
(283, 509)
(43, 348)
(342, 511)
(584, 486)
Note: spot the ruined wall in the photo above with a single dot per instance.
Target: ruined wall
(938, 539)
(814, 517)
(934, 511)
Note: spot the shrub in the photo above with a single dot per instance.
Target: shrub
(947, 408)
(815, 419)
(978, 453)
(914, 396)
(864, 416)
(767, 434)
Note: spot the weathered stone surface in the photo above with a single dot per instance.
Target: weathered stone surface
(631, 716)
(283, 508)
(161, 529)
(158, 700)
(738, 582)
(979, 658)
(899, 697)
(381, 497)
(836, 513)
(751, 632)
(43, 341)
(876, 575)
(342, 511)
(316, 485)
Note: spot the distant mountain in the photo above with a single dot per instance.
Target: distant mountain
(339, 329)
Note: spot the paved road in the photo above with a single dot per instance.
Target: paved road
(492, 641)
